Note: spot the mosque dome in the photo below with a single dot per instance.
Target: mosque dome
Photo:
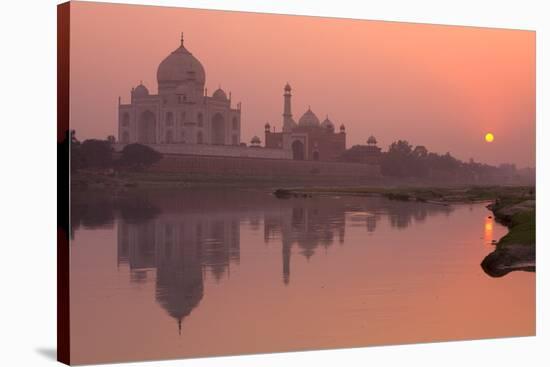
(371, 140)
(180, 66)
(141, 91)
(327, 123)
(220, 95)
(308, 119)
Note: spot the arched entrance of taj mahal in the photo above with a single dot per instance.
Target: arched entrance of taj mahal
(147, 128)
(218, 129)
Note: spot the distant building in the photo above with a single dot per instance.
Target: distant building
(182, 111)
(373, 152)
(309, 139)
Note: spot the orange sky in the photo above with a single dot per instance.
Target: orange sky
(439, 86)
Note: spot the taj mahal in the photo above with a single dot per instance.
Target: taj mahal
(184, 119)
(181, 112)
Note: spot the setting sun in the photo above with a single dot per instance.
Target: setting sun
(489, 137)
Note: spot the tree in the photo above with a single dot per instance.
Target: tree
(398, 160)
(355, 154)
(400, 147)
(96, 153)
(73, 148)
(138, 156)
(420, 151)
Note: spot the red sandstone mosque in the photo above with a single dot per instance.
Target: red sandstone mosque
(308, 139)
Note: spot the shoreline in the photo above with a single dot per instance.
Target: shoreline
(516, 251)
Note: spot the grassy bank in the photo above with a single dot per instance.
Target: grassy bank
(517, 249)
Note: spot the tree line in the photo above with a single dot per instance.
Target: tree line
(403, 160)
(99, 154)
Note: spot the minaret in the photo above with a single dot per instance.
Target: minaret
(287, 112)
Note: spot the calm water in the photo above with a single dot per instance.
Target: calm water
(204, 272)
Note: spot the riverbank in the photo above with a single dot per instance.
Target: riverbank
(435, 195)
(517, 249)
(116, 181)
(513, 206)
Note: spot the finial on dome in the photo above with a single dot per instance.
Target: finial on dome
(181, 39)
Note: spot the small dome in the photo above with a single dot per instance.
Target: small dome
(327, 123)
(267, 125)
(287, 87)
(255, 141)
(342, 128)
(220, 95)
(141, 91)
(372, 140)
(308, 119)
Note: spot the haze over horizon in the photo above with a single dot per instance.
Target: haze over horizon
(443, 87)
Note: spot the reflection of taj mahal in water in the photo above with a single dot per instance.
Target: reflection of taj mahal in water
(196, 237)
(183, 118)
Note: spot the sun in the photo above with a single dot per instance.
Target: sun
(489, 137)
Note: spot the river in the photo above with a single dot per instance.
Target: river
(157, 275)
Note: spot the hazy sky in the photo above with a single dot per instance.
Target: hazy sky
(439, 86)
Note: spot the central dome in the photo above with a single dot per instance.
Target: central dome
(308, 119)
(180, 66)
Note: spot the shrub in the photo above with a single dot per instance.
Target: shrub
(138, 156)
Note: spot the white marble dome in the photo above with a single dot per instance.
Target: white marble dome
(308, 119)
(181, 66)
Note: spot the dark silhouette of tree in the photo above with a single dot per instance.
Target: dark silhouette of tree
(76, 158)
(96, 153)
(420, 152)
(400, 148)
(138, 156)
(355, 154)
(397, 162)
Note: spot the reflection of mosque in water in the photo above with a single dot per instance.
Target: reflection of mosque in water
(196, 235)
